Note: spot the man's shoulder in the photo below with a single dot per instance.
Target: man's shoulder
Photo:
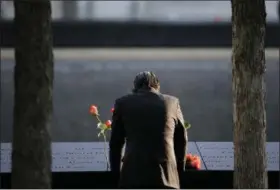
(170, 97)
(123, 98)
(166, 97)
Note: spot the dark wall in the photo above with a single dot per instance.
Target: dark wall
(140, 34)
(279, 10)
(204, 89)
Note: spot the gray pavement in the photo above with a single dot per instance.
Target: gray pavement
(204, 88)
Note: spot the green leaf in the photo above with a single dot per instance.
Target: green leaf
(104, 127)
(187, 125)
(107, 128)
(102, 131)
(99, 125)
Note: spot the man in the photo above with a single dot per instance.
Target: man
(151, 125)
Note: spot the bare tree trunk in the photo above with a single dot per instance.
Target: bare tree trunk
(33, 83)
(249, 115)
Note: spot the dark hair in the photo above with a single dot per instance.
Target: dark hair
(146, 80)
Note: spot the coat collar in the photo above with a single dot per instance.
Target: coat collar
(148, 90)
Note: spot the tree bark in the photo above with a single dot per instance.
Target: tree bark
(249, 115)
(33, 84)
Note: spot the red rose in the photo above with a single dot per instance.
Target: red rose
(93, 110)
(188, 156)
(108, 123)
(196, 164)
(193, 161)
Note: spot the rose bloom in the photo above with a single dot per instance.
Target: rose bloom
(196, 164)
(108, 123)
(93, 110)
(194, 161)
(189, 156)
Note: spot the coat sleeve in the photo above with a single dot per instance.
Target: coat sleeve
(180, 139)
(117, 139)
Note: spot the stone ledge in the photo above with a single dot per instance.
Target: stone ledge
(89, 156)
(148, 54)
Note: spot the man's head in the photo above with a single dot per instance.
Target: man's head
(146, 80)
